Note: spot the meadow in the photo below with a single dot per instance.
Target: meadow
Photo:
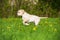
(13, 29)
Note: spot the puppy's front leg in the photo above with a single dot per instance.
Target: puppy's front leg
(25, 23)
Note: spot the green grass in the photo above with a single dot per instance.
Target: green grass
(13, 29)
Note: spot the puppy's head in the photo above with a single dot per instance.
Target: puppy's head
(20, 12)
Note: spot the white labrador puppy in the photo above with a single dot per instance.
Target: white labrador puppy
(29, 18)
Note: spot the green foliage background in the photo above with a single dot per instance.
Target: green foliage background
(12, 28)
(50, 8)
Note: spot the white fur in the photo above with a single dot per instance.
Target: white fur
(29, 18)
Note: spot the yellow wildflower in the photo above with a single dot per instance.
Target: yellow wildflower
(45, 21)
(55, 30)
(34, 28)
(51, 25)
(8, 28)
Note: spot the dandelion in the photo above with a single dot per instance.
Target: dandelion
(45, 21)
(51, 25)
(8, 28)
(2, 29)
(34, 28)
(55, 30)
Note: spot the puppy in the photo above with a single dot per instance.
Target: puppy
(29, 18)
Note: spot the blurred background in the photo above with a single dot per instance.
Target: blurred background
(12, 28)
(48, 8)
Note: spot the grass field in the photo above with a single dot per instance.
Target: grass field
(13, 29)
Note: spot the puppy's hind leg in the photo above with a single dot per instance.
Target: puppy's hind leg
(37, 21)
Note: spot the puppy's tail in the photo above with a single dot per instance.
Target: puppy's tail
(43, 17)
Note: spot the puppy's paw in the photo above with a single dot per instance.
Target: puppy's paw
(26, 24)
